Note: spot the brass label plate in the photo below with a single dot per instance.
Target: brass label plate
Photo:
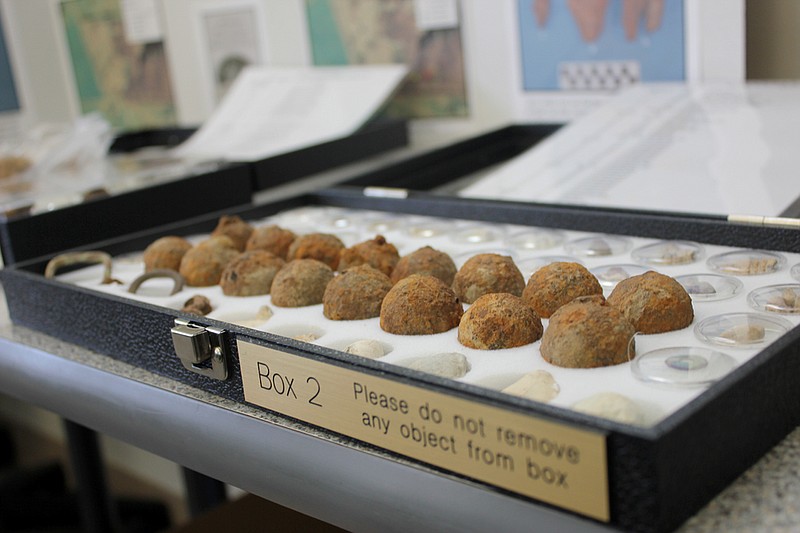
(552, 462)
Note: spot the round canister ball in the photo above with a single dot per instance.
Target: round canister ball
(588, 333)
(320, 246)
(499, 320)
(377, 253)
(653, 302)
(300, 283)
(235, 228)
(356, 294)
(425, 260)
(165, 252)
(202, 266)
(273, 239)
(557, 284)
(485, 274)
(250, 274)
(420, 305)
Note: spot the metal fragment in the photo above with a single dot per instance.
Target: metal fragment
(77, 258)
(159, 273)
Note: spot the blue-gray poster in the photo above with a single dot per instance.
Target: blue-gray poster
(600, 44)
(8, 91)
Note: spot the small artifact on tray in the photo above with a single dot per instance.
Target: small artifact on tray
(420, 305)
(743, 330)
(203, 264)
(597, 246)
(356, 294)
(451, 365)
(668, 253)
(612, 406)
(499, 320)
(234, 227)
(263, 314)
(487, 273)
(197, 305)
(375, 252)
(557, 284)
(783, 299)
(165, 252)
(426, 260)
(709, 287)
(538, 385)
(272, 238)
(306, 337)
(320, 246)
(653, 303)
(178, 281)
(785, 302)
(11, 165)
(371, 349)
(588, 333)
(300, 283)
(250, 274)
(744, 333)
(746, 262)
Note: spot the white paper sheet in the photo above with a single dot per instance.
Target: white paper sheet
(142, 21)
(712, 149)
(273, 110)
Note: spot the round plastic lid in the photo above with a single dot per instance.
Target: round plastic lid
(746, 262)
(776, 299)
(598, 246)
(424, 229)
(384, 224)
(744, 330)
(709, 287)
(610, 275)
(476, 234)
(682, 366)
(796, 271)
(536, 239)
(668, 253)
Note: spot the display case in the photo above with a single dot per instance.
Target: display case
(696, 423)
(147, 186)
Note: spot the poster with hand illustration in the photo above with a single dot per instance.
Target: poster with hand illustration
(600, 44)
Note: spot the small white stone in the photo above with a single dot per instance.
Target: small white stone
(368, 348)
(306, 337)
(538, 385)
(447, 365)
(612, 406)
(264, 313)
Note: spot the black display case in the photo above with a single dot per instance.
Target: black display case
(650, 477)
(200, 188)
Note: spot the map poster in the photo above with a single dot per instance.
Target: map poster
(600, 44)
(364, 32)
(128, 83)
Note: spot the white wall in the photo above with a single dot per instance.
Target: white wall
(38, 53)
(489, 34)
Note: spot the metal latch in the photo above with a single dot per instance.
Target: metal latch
(201, 349)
